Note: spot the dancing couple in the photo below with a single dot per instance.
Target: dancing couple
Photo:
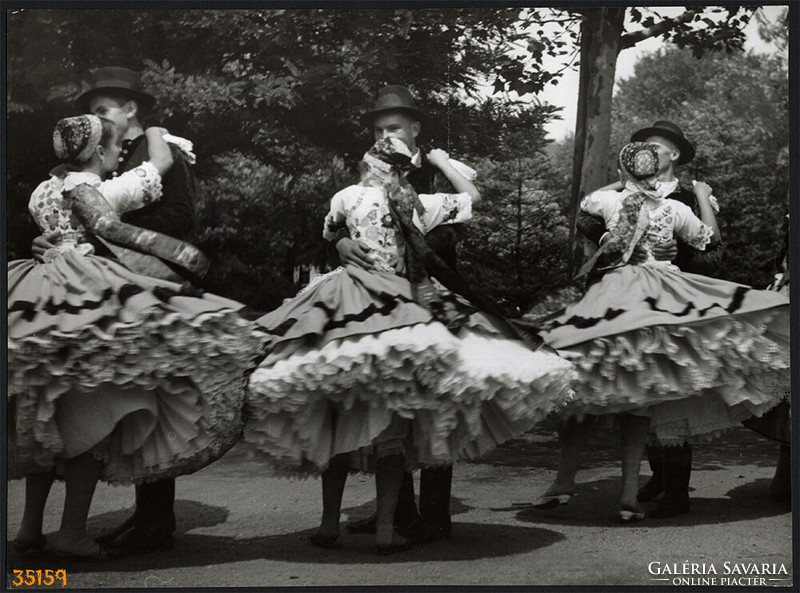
(115, 373)
(665, 356)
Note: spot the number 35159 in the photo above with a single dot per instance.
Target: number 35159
(29, 578)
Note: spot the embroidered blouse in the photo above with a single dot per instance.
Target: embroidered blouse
(52, 211)
(365, 212)
(668, 217)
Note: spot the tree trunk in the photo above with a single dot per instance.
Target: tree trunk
(601, 31)
(518, 243)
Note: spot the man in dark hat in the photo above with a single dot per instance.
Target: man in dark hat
(116, 94)
(671, 466)
(395, 114)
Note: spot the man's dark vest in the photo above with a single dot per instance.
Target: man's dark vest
(443, 239)
(174, 213)
(688, 259)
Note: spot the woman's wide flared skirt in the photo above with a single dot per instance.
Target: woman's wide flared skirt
(697, 355)
(145, 374)
(357, 366)
(777, 423)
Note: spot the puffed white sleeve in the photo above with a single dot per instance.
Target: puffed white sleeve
(336, 219)
(37, 200)
(133, 189)
(468, 172)
(443, 209)
(691, 230)
(602, 203)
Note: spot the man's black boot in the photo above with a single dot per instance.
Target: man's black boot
(434, 521)
(655, 485)
(405, 514)
(154, 520)
(677, 472)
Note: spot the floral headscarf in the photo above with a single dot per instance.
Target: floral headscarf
(75, 138)
(638, 163)
(387, 154)
(639, 160)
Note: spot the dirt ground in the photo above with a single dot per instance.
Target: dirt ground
(240, 526)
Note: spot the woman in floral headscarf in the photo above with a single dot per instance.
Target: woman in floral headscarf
(383, 369)
(112, 375)
(687, 354)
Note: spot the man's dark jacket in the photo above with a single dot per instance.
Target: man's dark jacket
(443, 239)
(173, 214)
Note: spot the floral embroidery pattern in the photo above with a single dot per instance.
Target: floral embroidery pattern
(150, 181)
(451, 208)
(661, 227)
(364, 210)
(701, 239)
(52, 220)
(623, 231)
(51, 208)
(662, 222)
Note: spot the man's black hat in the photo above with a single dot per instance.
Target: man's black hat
(668, 130)
(117, 80)
(394, 97)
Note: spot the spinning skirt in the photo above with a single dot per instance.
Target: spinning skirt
(357, 366)
(777, 423)
(145, 374)
(696, 354)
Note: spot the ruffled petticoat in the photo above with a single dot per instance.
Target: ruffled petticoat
(777, 423)
(697, 355)
(356, 366)
(146, 374)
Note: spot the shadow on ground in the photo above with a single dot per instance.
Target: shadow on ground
(471, 541)
(596, 504)
(539, 449)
